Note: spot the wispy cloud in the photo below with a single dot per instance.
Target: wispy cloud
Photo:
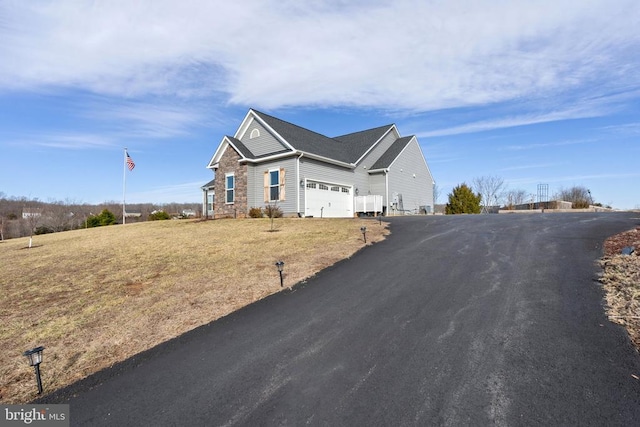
(534, 146)
(180, 193)
(146, 120)
(394, 55)
(70, 140)
(572, 113)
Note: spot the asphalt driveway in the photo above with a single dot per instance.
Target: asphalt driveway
(453, 320)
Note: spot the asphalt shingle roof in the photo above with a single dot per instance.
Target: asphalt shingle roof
(347, 148)
(306, 140)
(392, 153)
(357, 143)
(209, 184)
(240, 146)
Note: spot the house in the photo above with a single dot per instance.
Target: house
(271, 161)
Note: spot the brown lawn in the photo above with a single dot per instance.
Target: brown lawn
(621, 282)
(98, 296)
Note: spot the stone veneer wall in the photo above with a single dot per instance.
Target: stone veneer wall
(229, 163)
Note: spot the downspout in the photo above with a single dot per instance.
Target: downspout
(205, 213)
(298, 190)
(386, 189)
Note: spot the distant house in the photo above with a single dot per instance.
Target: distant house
(31, 213)
(271, 161)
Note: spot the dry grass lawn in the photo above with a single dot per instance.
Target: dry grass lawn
(621, 282)
(98, 296)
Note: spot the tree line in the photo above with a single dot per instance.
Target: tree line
(488, 192)
(22, 217)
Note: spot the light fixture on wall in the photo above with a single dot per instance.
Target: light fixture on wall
(302, 183)
(357, 191)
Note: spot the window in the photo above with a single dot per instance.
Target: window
(254, 133)
(311, 185)
(336, 188)
(229, 188)
(322, 187)
(345, 190)
(274, 185)
(210, 201)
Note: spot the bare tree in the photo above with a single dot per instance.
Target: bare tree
(32, 213)
(59, 216)
(489, 188)
(514, 198)
(2, 215)
(580, 197)
(436, 194)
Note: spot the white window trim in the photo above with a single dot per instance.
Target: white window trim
(277, 185)
(226, 189)
(255, 133)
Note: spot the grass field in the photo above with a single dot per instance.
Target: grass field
(98, 296)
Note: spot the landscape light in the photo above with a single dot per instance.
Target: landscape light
(35, 358)
(363, 230)
(280, 265)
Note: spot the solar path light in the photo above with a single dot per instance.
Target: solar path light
(280, 265)
(363, 230)
(35, 358)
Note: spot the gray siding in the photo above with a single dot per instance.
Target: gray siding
(317, 171)
(263, 144)
(377, 185)
(416, 191)
(255, 192)
(378, 150)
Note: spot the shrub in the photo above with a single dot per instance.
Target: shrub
(273, 211)
(158, 216)
(106, 217)
(256, 213)
(463, 200)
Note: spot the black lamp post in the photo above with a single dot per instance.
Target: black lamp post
(35, 358)
(280, 266)
(363, 230)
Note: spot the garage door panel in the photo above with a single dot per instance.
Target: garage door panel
(328, 200)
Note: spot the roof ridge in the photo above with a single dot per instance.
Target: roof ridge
(365, 130)
(260, 113)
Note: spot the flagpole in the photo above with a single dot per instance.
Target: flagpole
(124, 185)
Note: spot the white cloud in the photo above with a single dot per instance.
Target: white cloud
(67, 140)
(179, 193)
(146, 120)
(395, 55)
(513, 121)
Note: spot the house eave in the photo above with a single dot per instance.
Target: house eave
(328, 160)
(379, 170)
(391, 128)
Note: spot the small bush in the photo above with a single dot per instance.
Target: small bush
(272, 211)
(160, 215)
(256, 213)
(43, 229)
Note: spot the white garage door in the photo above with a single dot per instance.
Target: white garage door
(328, 200)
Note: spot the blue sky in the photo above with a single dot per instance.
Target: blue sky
(533, 92)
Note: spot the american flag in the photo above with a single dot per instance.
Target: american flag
(130, 163)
